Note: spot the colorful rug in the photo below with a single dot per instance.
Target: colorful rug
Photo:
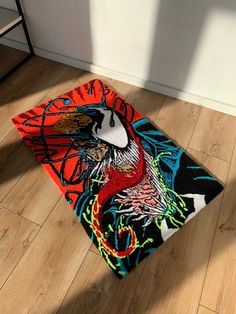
(130, 186)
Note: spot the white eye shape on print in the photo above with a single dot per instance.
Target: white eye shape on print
(115, 135)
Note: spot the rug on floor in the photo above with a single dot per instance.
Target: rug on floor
(130, 185)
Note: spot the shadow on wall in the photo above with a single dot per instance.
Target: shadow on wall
(163, 271)
(163, 268)
(176, 39)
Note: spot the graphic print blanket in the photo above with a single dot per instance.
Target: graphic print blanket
(130, 186)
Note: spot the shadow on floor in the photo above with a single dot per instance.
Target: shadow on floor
(38, 73)
(165, 272)
(10, 145)
(165, 283)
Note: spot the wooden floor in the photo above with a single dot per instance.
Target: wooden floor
(47, 262)
(9, 57)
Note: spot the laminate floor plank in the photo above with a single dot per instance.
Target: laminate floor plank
(16, 234)
(173, 276)
(96, 290)
(54, 267)
(220, 283)
(178, 120)
(215, 134)
(45, 272)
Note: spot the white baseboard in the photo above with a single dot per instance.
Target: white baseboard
(156, 87)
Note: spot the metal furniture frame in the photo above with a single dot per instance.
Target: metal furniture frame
(20, 20)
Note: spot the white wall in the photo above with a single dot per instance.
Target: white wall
(184, 48)
(10, 4)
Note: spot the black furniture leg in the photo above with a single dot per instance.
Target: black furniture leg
(31, 50)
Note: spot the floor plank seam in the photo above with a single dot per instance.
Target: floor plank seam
(3, 138)
(93, 251)
(59, 307)
(46, 218)
(18, 178)
(135, 290)
(162, 105)
(53, 86)
(127, 95)
(209, 155)
(217, 220)
(194, 129)
(13, 213)
(212, 244)
(169, 136)
(13, 269)
(208, 308)
(40, 227)
(201, 112)
(8, 83)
